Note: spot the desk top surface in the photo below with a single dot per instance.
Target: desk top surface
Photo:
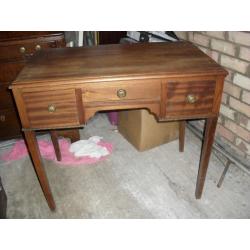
(117, 62)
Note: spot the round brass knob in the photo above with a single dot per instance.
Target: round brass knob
(22, 50)
(121, 93)
(2, 118)
(38, 47)
(51, 108)
(191, 98)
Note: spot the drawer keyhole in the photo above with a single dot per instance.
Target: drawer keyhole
(121, 93)
(51, 108)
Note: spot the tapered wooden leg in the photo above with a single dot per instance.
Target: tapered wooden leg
(205, 154)
(38, 166)
(182, 125)
(55, 142)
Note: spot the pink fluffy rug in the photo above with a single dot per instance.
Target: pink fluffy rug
(19, 151)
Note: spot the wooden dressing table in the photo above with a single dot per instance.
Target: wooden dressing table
(64, 87)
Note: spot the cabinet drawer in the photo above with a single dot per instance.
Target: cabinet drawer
(189, 98)
(51, 109)
(118, 91)
(6, 99)
(9, 71)
(23, 49)
(9, 124)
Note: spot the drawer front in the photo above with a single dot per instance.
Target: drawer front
(51, 109)
(189, 98)
(23, 49)
(6, 99)
(9, 71)
(122, 91)
(10, 126)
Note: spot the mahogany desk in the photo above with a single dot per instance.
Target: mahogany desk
(62, 88)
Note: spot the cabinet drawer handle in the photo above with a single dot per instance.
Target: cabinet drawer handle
(38, 47)
(121, 93)
(22, 50)
(191, 98)
(2, 118)
(51, 108)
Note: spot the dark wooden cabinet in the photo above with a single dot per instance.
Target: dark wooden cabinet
(15, 50)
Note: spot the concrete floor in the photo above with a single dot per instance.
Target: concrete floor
(158, 183)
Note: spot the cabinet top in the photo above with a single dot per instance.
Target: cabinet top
(6, 36)
(117, 62)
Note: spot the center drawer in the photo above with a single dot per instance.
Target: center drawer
(122, 90)
(51, 109)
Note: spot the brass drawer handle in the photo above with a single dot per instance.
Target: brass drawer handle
(38, 47)
(191, 98)
(22, 50)
(2, 118)
(51, 108)
(121, 93)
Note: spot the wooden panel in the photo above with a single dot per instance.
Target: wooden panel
(9, 71)
(6, 99)
(108, 91)
(37, 107)
(153, 107)
(177, 103)
(218, 94)
(9, 124)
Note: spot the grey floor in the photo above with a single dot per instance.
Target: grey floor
(158, 183)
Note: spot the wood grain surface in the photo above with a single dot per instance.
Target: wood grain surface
(118, 62)
(108, 91)
(177, 93)
(64, 102)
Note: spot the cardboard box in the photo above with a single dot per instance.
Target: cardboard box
(142, 130)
